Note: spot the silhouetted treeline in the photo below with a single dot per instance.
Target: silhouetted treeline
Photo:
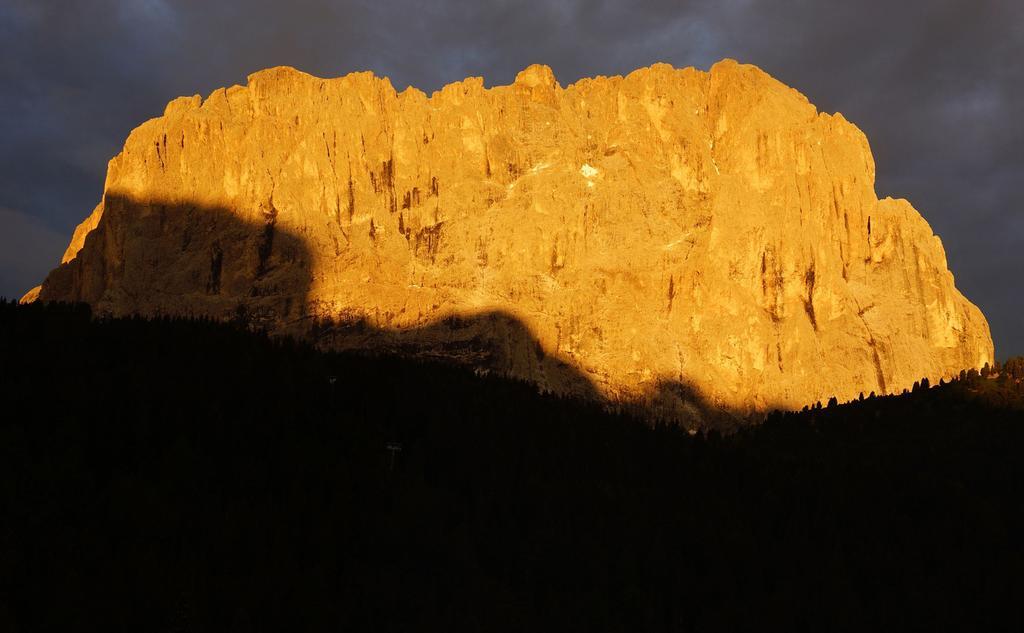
(174, 475)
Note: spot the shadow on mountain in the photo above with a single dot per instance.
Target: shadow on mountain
(495, 341)
(492, 341)
(214, 262)
(243, 265)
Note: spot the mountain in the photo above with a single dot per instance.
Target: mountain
(665, 237)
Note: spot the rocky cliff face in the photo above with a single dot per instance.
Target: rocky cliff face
(669, 236)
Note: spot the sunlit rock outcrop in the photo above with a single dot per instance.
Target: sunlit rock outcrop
(668, 233)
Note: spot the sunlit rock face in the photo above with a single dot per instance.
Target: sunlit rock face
(661, 235)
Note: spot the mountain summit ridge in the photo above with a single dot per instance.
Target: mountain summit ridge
(710, 229)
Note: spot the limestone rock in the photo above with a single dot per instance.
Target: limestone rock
(31, 296)
(692, 240)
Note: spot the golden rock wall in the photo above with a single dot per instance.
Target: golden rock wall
(642, 238)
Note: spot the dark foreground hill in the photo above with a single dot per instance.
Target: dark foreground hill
(176, 475)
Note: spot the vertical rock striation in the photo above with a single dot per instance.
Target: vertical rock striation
(660, 235)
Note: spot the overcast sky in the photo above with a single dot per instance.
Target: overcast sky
(936, 85)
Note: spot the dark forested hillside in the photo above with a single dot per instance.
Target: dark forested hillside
(177, 475)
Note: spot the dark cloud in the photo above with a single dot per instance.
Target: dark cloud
(28, 250)
(937, 85)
